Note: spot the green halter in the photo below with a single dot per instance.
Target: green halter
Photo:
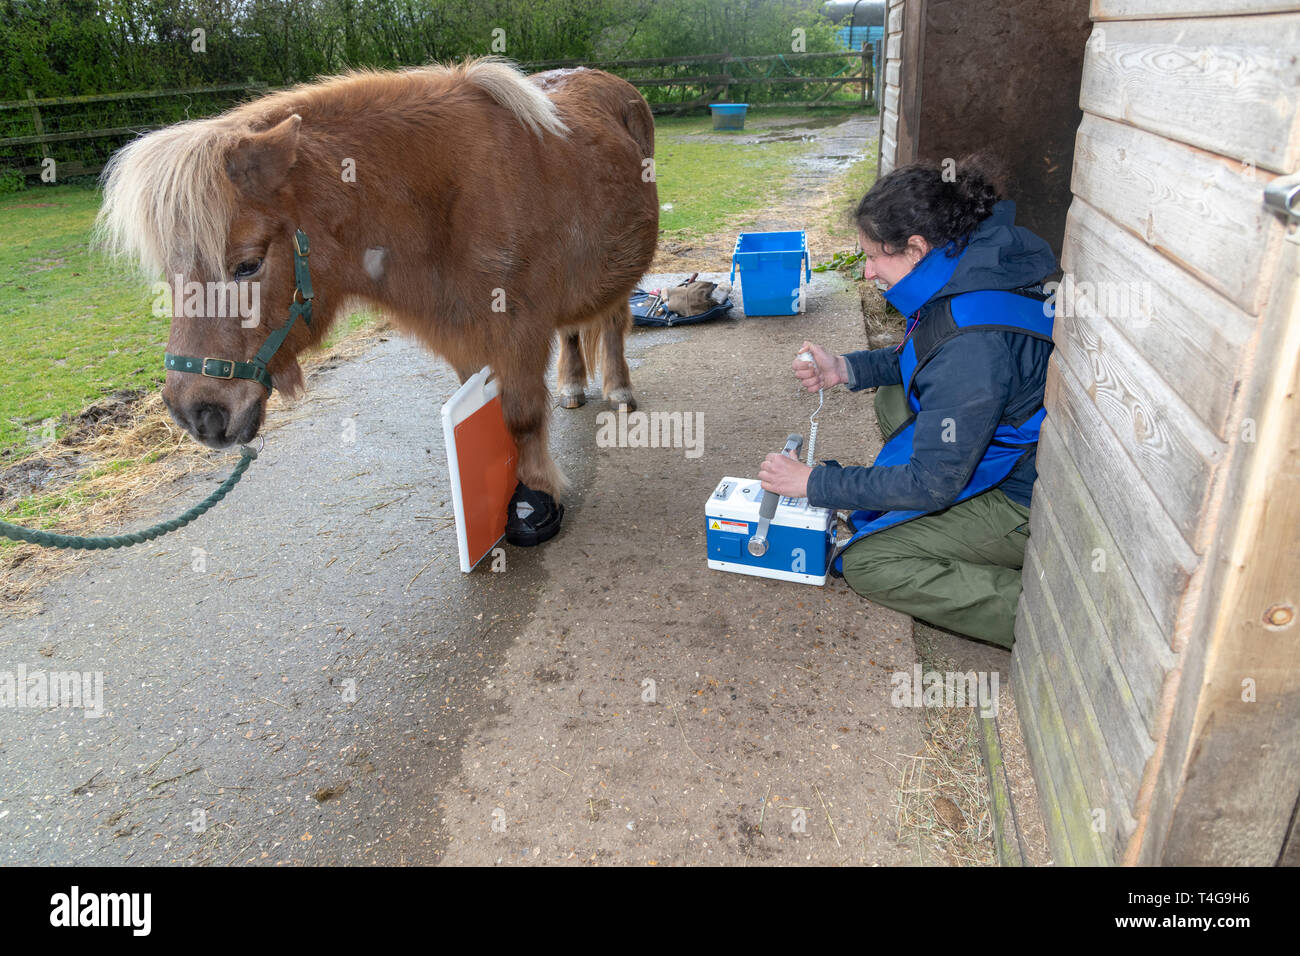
(256, 369)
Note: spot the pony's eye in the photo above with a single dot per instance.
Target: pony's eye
(246, 269)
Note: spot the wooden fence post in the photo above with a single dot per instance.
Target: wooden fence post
(36, 121)
(867, 71)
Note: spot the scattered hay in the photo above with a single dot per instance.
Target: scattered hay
(942, 801)
(119, 452)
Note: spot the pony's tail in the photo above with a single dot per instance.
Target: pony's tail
(592, 339)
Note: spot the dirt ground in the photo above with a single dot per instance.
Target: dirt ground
(771, 708)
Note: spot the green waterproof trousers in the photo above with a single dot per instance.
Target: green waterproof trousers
(958, 568)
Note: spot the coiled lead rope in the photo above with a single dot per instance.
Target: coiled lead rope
(50, 539)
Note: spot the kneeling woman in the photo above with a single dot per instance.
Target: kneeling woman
(941, 518)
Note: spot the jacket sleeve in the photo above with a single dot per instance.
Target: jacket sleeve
(963, 390)
(871, 368)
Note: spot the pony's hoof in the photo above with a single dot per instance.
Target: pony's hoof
(533, 517)
(573, 397)
(623, 399)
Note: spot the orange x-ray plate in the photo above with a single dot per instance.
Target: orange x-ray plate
(481, 457)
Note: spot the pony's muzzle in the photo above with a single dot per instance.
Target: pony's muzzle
(214, 423)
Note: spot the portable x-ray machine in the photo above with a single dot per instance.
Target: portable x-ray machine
(752, 531)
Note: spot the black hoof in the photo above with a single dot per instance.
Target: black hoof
(532, 517)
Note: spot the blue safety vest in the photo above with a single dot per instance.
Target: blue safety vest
(1026, 310)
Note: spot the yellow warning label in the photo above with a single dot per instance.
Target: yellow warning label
(731, 527)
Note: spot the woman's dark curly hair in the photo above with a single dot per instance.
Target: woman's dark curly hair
(917, 200)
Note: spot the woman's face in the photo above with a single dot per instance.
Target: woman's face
(886, 268)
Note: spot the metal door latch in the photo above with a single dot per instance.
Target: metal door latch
(1282, 195)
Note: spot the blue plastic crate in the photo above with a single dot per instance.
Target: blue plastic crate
(769, 264)
(728, 115)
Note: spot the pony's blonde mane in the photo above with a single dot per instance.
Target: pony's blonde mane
(168, 201)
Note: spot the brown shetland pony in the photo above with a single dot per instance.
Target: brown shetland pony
(481, 209)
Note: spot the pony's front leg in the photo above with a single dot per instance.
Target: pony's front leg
(572, 370)
(534, 515)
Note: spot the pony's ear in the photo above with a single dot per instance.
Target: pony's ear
(259, 163)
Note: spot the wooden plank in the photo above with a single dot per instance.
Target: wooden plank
(1290, 855)
(717, 79)
(894, 46)
(1175, 452)
(702, 102)
(1155, 9)
(137, 95)
(891, 102)
(888, 154)
(722, 79)
(1110, 744)
(1169, 76)
(1192, 336)
(895, 18)
(74, 135)
(1240, 783)
(1006, 837)
(1127, 735)
(63, 170)
(1139, 646)
(1132, 513)
(535, 65)
(1049, 805)
(1199, 209)
(888, 131)
(1051, 753)
(908, 102)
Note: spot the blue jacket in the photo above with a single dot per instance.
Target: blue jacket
(971, 383)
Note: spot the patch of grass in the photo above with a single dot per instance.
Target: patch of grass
(72, 327)
(346, 326)
(708, 181)
(848, 190)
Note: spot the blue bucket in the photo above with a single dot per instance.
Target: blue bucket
(770, 264)
(728, 115)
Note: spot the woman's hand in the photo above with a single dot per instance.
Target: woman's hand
(784, 474)
(825, 371)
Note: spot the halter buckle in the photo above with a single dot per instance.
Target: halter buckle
(229, 365)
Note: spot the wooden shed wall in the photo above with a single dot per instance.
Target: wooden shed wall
(891, 66)
(1190, 109)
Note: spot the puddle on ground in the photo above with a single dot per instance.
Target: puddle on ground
(780, 129)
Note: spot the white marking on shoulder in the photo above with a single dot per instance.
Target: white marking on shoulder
(375, 262)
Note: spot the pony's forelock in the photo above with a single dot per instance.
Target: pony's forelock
(168, 203)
